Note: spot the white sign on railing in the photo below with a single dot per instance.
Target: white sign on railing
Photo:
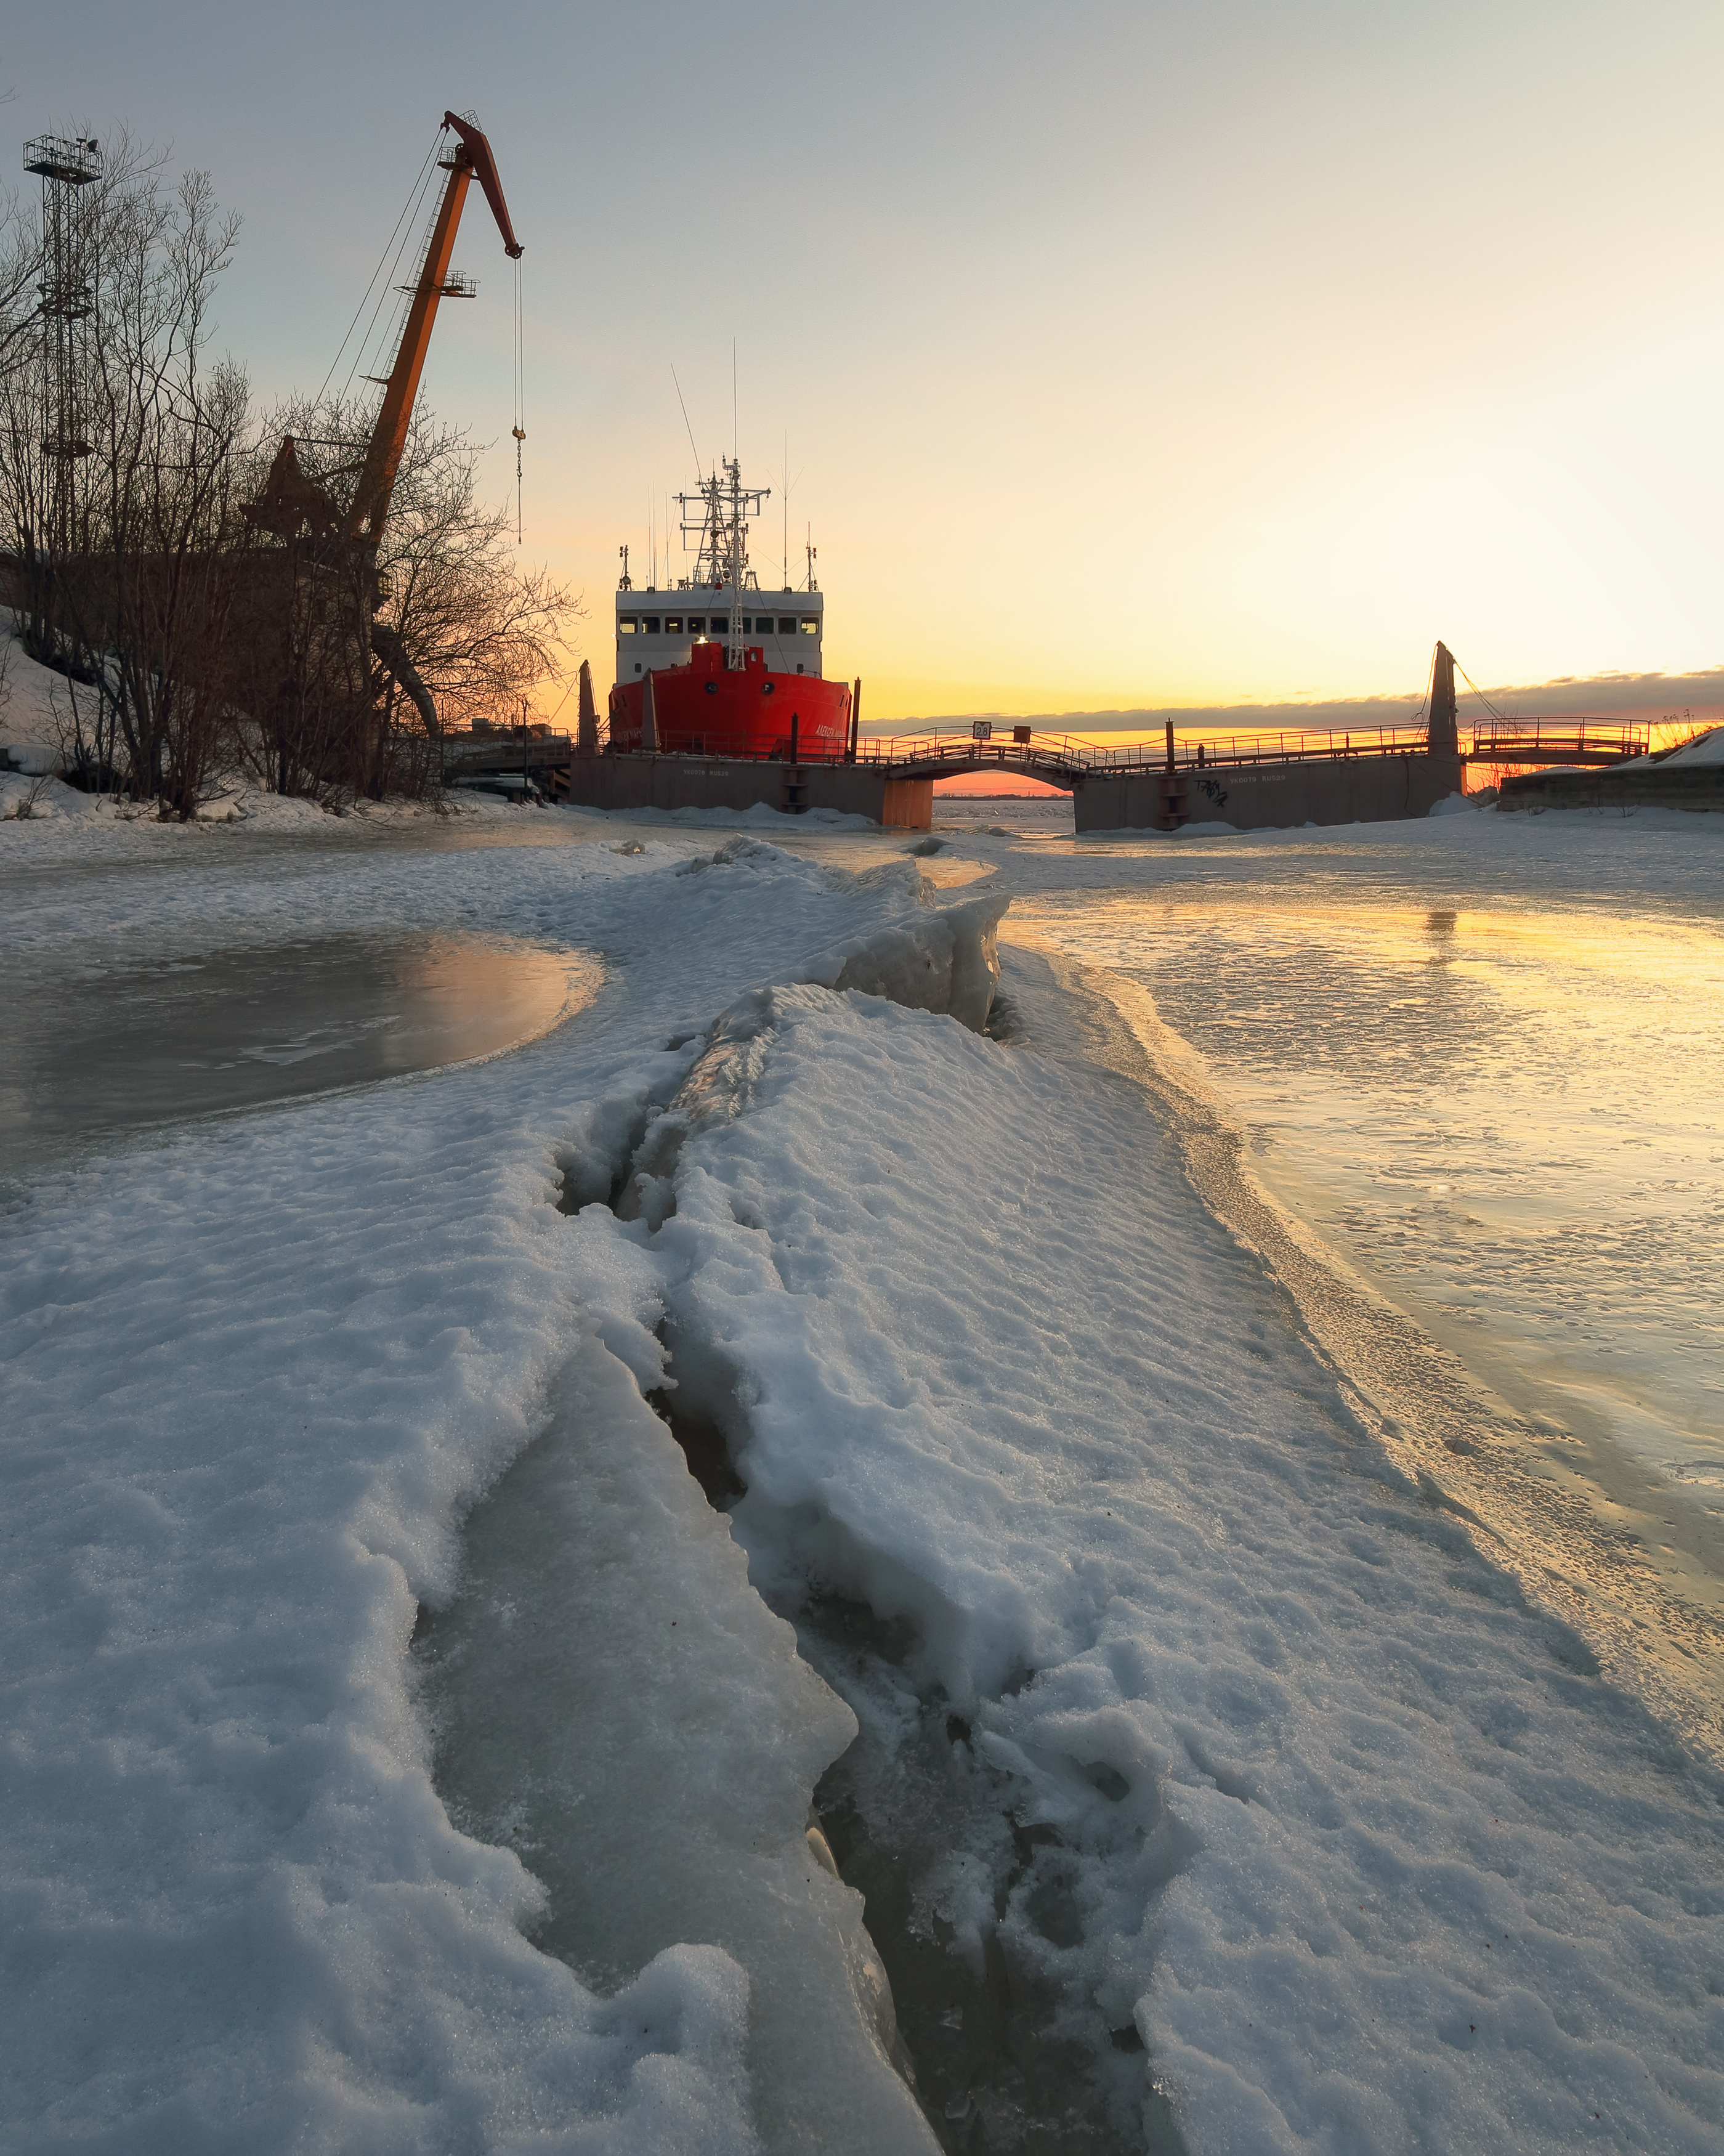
(981, 730)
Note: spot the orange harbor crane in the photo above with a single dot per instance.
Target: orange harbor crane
(472, 159)
(292, 501)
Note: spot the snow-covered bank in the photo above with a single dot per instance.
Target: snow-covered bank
(255, 1375)
(1347, 1833)
(62, 824)
(1199, 1748)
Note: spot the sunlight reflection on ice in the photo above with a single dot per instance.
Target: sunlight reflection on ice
(1506, 1120)
(1515, 1115)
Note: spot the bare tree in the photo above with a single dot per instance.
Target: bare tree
(482, 632)
(48, 355)
(21, 269)
(194, 581)
(376, 653)
(164, 504)
(133, 597)
(20, 274)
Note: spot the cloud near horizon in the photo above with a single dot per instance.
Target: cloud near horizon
(1600, 695)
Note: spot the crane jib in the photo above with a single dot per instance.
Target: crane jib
(473, 160)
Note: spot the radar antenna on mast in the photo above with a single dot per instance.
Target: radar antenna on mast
(720, 534)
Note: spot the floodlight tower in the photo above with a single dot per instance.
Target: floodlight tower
(66, 166)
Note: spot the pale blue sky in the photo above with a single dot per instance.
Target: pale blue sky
(1128, 355)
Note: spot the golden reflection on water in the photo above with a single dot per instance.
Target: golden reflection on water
(114, 1048)
(467, 997)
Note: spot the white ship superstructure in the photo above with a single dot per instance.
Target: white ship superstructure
(722, 601)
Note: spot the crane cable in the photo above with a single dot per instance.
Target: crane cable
(391, 255)
(1501, 718)
(520, 399)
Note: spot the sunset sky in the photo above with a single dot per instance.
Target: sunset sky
(1128, 357)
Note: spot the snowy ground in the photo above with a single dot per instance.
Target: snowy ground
(33, 707)
(1207, 1785)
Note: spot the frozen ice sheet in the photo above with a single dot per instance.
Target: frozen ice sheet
(1516, 1115)
(254, 1375)
(1215, 1724)
(1482, 1063)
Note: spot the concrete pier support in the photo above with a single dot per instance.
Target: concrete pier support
(624, 783)
(1257, 797)
(907, 805)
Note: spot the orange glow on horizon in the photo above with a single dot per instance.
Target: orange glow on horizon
(980, 785)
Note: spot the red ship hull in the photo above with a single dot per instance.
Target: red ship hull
(708, 709)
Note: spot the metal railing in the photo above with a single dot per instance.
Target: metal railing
(747, 748)
(1063, 756)
(1071, 753)
(499, 741)
(1578, 740)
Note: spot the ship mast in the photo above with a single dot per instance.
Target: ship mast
(738, 564)
(725, 507)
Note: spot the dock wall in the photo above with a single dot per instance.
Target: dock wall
(1258, 797)
(624, 783)
(1687, 786)
(1251, 796)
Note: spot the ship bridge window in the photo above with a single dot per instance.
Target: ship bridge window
(625, 625)
(673, 624)
(810, 624)
(786, 624)
(649, 625)
(697, 624)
